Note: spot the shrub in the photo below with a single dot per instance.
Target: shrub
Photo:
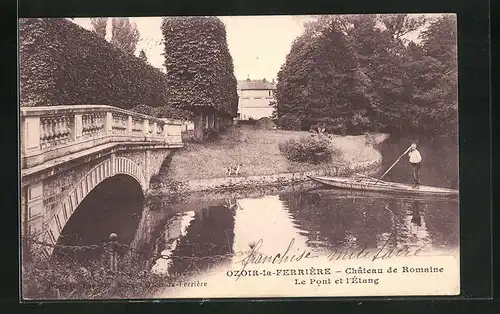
(289, 122)
(68, 279)
(310, 149)
(369, 139)
(250, 121)
(359, 123)
(265, 124)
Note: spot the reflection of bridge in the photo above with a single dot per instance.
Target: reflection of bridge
(66, 151)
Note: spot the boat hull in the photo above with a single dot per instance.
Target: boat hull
(369, 184)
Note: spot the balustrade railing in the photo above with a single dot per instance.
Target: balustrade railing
(54, 130)
(51, 132)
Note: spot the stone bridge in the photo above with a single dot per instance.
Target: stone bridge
(66, 151)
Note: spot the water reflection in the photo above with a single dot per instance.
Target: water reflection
(202, 239)
(196, 240)
(338, 221)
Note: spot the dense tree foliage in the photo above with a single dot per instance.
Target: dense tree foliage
(199, 66)
(360, 73)
(62, 63)
(164, 112)
(124, 34)
(99, 26)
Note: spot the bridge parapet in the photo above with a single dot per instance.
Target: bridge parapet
(55, 131)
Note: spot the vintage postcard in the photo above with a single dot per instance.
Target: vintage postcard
(239, 156)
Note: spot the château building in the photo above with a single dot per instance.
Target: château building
(255, 97)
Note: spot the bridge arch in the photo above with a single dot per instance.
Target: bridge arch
(74, 197)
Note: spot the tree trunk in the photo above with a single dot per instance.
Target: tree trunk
(211, 120)
(198, 125)
(217, 121)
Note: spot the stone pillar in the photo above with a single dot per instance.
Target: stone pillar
(145, 127)
(31, 134)
(108, 123)
(129, 125)
(77, 129)
(154, 128)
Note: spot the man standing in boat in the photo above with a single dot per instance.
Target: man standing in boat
(415, 159)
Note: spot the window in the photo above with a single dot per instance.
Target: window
(270, 93)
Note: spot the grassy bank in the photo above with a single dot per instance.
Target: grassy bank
(258, 151)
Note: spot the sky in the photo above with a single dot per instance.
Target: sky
(258, 45)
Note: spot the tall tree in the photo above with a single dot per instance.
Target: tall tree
(360, 71)
(124, 34)
(142, 56)
(199, 67)
(381, 49)
(321, 82)
(99, 25)
(437, 96)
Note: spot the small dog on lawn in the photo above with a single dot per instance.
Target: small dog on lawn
(234, 170)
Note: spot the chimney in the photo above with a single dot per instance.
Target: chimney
(264, 80)
(248, 78)
(272, 81)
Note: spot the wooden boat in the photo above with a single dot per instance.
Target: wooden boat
(365, 183)
(346, 194)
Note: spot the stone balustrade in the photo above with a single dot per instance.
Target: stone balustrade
(51, 132)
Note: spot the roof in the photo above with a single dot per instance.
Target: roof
(256, 84)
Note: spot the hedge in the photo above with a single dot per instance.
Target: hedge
(62, 63)
(199, 66)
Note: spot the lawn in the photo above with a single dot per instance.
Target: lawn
(258, 151)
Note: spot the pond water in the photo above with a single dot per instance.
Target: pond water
(210, 229)
(202, 236)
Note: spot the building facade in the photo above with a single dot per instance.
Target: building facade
(255, 97)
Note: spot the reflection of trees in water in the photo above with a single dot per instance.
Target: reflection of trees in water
(339, 221)
(442, 222)
(371, 222)
(211, 233)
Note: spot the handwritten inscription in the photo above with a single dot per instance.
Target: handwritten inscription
(382, 253)
(256, 257)
(353, 275)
